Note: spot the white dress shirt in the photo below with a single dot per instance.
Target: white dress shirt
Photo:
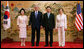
(36, 13)
(48, 14)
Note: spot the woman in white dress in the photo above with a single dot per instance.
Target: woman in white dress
(61, 26)
(22, 23)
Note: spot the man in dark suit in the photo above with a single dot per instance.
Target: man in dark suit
(35, 22)
(49, 25)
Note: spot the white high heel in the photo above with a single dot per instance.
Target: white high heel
(21, 44)
(24, 44)
(63, 45)
(60, 45)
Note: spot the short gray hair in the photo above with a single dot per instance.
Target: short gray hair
(36, 5)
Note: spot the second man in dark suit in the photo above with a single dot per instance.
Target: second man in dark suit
(49, 25)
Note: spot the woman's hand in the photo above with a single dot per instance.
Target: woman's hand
(65, 29)
(41, 27)
(56, 30)
(18, 28)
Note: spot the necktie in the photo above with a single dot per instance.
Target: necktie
(36, 14)
(48, 15)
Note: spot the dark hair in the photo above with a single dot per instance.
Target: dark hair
(48, 7)
(60, 8)
(21, 10)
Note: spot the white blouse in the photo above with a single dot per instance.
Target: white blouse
(22, 21)
(61, 21)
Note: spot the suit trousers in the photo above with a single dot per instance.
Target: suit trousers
(37, 35)
(61, 35)
(47, 31)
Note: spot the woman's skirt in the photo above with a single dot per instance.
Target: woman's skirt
(22, 32)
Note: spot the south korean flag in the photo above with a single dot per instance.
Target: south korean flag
(6, 20)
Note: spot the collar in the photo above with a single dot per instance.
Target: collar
(36, 11)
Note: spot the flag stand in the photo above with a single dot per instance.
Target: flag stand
(78, 40)
(7, 39)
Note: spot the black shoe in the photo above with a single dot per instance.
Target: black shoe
(32, 44)
(46, 45)
(50, 45)
(37, 45)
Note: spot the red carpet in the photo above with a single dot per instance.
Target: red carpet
(28, 45)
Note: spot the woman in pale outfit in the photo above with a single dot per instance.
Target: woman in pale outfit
(22, 23)
(61, 26)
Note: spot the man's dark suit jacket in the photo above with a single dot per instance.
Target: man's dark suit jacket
(35, 22)
(48, 22)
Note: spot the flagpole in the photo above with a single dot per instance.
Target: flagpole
(7, 34)
(77, 31)
(7, 5)
(77, 39)
(78, 2)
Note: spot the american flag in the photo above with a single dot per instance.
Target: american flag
(79, 18)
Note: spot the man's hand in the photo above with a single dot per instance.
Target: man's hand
(29, 26)
(54, 29)
(41, 27)
(44, 28)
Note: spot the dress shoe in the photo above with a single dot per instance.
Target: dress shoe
(37, 44)
(46, 45)
(32, 44)
(50, 45)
